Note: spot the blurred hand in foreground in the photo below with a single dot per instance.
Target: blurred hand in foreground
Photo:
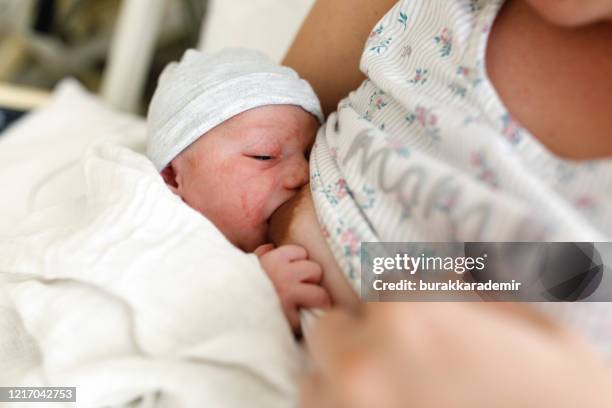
(452, 354)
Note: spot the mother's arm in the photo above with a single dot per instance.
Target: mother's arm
(480, 354)
(328, 47)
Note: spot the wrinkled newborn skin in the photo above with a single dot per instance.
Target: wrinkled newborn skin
(241, 171)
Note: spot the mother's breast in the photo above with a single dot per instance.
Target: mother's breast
(287, 218)
(296, 223)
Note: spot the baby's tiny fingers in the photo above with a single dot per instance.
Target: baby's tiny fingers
(262, 249)
(307, 271)
(292, 252)
(311, 296)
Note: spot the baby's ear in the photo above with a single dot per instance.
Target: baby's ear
(169, 176)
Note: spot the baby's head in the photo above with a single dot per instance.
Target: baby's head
(230, 134)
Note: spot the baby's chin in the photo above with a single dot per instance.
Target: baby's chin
(258, 236)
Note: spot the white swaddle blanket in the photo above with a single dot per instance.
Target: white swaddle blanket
(131, 296)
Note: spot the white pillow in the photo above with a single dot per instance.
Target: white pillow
(39, 155)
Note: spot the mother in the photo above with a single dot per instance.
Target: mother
(451, 177)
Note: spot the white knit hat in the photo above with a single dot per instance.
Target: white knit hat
(203, 90)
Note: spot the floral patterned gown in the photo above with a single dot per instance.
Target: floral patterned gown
(424, 150)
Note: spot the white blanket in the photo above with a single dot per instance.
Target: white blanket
(129, 295)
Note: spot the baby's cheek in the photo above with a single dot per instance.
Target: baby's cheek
(252, 204)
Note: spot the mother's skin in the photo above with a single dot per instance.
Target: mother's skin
(552, 74)
(370, 360)
(403, 354)
(541, 70)
(295, 222)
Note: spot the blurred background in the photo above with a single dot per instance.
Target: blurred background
(117, 48)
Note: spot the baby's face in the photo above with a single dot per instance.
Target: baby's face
(241, 171)
(574, 12)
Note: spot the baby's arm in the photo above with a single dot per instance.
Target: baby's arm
(296, 279)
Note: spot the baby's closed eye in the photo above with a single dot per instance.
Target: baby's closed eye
(261, 157)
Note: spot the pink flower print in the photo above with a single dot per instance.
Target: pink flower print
(379, 103)
(421, 115)
(444, 39)
(334, 153)
(376, 32)
(511, 130)
(585, 202)
(399, 147)
(366, 197)
(429, 121)
(420, 76)
(470, 75)
(463, 71)
(445, 36)
(433, 119)
(425, 117)
(377, 43)
(339, 190)
(325, 231)
(350, 241)
(377, 100)
(485, 172)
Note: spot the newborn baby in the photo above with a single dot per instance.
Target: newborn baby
(230, 134)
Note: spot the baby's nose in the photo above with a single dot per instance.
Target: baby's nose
(297, 173)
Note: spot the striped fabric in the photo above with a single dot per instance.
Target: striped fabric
(424, 150)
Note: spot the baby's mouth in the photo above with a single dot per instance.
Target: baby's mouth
(280, 220)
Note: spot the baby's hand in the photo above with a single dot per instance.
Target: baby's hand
(295, 278)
